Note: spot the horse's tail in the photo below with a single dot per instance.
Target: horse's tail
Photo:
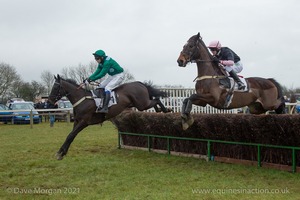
(281, 108)
(279, 88)
(153, 92)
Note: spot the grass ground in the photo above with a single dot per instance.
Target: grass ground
(95, 169)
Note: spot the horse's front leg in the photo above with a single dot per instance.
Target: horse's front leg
(65, 147)
(187, 106)
(187, 119)
(196, 99)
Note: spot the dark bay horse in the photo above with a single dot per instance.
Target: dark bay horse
(134, 94)
(262, 94)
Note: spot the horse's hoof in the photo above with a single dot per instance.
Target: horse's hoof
(170, 110)
(59, 156)
(184, 117)
(190, 121)
(184, 125)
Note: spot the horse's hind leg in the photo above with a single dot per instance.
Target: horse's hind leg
(156, 108)
(256, 108)
(281, 109)
(162, 106)
(65, 147)
(153, 104)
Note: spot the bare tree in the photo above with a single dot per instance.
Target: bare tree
(15, 91)
(128, 77)
(35, 89)
(8, 76)
(47, 79)
(84, 71)
(26, 90)
(80, 72)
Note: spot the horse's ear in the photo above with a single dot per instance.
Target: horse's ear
(58, 77)
(55, 77)
(199, 36)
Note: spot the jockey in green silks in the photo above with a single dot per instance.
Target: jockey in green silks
(106, 65)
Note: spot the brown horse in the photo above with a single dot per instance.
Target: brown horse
(262, 94)
(134, 94)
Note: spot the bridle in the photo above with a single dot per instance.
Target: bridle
(192, 53)
(60, 93)
(194, 48)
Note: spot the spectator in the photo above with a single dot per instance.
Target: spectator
(51, 116)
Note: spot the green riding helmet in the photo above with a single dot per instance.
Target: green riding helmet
(99, 53)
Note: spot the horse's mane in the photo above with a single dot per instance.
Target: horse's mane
(203, 44)
(72, 81)
(198, 38)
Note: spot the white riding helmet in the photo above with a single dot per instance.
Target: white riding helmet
(215, 44)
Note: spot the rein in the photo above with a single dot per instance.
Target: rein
(207, 77)
(59, 95)
(199, 78)
(199, 60)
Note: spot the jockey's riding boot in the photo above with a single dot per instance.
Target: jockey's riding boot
(98, 91)
(106, 99)
(235, 77)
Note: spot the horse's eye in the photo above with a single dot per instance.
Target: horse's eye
(191, 46)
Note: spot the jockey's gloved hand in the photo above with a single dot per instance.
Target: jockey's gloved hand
(215, 59)
(87, 80)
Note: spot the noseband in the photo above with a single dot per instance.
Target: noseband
(60, 93)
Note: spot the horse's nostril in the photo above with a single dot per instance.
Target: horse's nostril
(180, 62)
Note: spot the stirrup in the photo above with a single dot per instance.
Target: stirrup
(98, 109)
(241, 86)
(103, 110)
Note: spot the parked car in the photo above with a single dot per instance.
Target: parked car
(22, 116)
(14, 100)
(65, 104)
(298, 107)
(4, 110)
(296, 97)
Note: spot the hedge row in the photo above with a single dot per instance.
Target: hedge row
(283, 130)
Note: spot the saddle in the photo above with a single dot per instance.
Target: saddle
(232, 86)
(99, 94)
(229, 83)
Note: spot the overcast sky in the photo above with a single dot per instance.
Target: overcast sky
(146, 37)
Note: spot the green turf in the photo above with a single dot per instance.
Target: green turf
(95, 169)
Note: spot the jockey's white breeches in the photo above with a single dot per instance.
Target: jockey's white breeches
(111, 82)
(237, 67)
